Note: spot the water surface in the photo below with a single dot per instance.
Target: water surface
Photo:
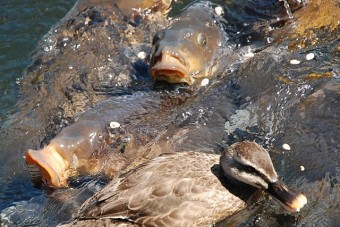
(22, 24)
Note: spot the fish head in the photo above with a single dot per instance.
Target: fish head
(188, 48)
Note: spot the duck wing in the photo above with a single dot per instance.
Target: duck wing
(172, 189)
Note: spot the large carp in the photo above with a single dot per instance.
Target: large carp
(192, 46)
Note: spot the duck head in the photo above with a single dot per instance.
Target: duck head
(250, 163)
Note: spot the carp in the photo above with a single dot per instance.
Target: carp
(192, 46)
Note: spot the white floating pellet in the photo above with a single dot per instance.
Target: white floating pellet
(286, 147)
(294, 62)
(249, 55)
(205, 82)
(114, 124)
(219, 10)
(141, 55)
(310, 56)
(302, 168)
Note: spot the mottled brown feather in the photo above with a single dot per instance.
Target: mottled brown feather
(171, 190)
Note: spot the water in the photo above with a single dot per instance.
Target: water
(268, 100)
(22, 24)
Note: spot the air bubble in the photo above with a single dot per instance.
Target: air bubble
(48, 44)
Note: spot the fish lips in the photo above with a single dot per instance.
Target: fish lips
(290, 200)
(171, 69)
(51, 164)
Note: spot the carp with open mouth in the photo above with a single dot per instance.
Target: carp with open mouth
(190, 47)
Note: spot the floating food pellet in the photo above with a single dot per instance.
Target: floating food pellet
(114, 124)
(219, 10)
(302, 168)
(87, 20)
(294, 62)
(141, 55)
(249, 55)
(286, 147)
(205, 82)
(310, 56)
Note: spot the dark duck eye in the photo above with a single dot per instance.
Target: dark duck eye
(158, 36)
(202, 39)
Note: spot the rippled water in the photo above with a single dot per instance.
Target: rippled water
(22, 24)
(268, 100)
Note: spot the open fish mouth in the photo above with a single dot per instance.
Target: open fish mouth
(51, 164)
(170, 68)
(289, 199)
(169, 75)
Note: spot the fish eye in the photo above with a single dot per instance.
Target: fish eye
(202, 39)
(158, 36)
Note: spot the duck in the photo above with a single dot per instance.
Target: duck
(189, 189)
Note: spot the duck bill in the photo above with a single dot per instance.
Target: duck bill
(51, 165)
(289, 199)
(170, 69)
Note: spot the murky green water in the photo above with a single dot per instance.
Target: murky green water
(22, 24)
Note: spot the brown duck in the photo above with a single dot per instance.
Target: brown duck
(180, 189)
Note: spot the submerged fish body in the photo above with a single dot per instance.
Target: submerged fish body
(98, 32)
(190, 47)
